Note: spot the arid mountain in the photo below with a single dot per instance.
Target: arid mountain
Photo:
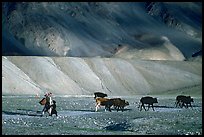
(90, 29)
(78, 48)
(84, 76)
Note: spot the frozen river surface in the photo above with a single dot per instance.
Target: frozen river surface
(21, 115)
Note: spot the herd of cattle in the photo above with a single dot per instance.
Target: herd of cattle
(119, 103)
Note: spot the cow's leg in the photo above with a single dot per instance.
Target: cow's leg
(141, 107)
(148, 106)
(181, 104)
(122, 108)
(152, 107)
(177, 103)
(109, 108)
(144, 107)
(118, 108)
(186, 105)
(191, 105)
(97, 106)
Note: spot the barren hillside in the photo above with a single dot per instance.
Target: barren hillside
(84, 76)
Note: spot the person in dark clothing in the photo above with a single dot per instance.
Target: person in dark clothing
(47, 104)
(53, 107)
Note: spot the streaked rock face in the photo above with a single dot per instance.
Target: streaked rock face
(86, 29)
(84, 76)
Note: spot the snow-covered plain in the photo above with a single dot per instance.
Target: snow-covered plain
(77, 116)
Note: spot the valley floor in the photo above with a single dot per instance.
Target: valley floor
(21, 115)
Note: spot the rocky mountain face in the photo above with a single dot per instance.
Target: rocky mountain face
(172, 14)
(78, 48)
(90, 29)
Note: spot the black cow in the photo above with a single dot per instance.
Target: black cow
(182, 100)
(147, 100)
(99, 94)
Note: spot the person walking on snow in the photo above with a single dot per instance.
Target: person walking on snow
(48, 97)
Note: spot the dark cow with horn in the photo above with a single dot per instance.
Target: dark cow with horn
(119, 103)
(99, 94)
(147, 100)
(182, 100)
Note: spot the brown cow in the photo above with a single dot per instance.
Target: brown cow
(118, 103)
(104, 102)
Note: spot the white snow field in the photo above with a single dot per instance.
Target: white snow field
(77, 116)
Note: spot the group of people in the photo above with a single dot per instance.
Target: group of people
(49, 104)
